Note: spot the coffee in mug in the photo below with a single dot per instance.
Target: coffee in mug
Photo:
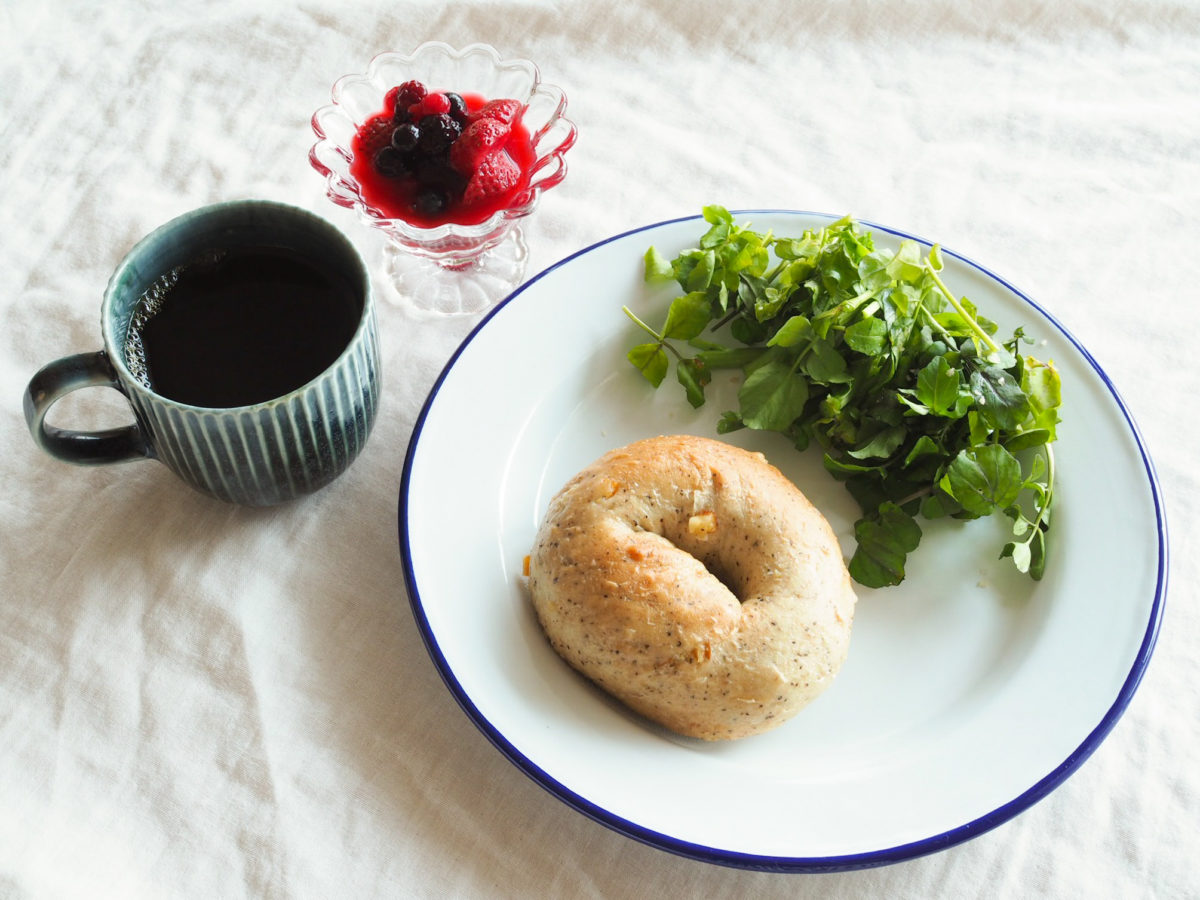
(244, 337)
(235, 327)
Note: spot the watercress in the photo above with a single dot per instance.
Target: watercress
(916, 405)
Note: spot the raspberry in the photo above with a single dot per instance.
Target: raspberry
(437, 104)
(400, 98)
(478, 139)
(431, 105)
(496, 175)
(375, 134)
(504, 110)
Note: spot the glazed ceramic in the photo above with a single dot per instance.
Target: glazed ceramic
(258, 455)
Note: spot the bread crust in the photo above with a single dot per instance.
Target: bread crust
(694, 582)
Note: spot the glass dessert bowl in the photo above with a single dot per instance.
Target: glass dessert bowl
(456, 253)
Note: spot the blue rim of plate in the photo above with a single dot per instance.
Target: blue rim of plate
(736, 859)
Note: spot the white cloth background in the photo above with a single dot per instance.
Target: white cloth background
(198, 700)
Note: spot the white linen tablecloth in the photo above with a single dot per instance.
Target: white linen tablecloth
(198, 700)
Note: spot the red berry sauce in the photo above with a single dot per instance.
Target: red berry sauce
(420, 184)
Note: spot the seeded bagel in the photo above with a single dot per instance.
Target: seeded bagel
(695, 583)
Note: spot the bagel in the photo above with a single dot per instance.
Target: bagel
(695, 583)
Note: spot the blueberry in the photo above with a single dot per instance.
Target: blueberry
(389, 162)
(404, 137)
(458, 107)
(443, 184)
(430, 201)
(452, 182)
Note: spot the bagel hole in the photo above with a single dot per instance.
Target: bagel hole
(730, 576)
(720, 572)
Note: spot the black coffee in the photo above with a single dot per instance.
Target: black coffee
(241, 326)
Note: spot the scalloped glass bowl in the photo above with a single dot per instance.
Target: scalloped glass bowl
(450, 268)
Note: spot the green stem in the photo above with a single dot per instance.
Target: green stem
(939, 327)
(856, 303)
(629, 312)
(967, 317)
(662, 341)
(917, 494)
(1043, 508)
(1049, 485)
(728, 317)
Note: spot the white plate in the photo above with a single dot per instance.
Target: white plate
(970, 691)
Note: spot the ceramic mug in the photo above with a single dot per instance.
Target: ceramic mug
(259, 453)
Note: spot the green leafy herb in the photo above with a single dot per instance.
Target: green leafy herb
(917, 406)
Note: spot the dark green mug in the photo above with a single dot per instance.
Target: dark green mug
(260, 453)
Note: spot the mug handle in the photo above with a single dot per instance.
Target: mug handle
(55, 380)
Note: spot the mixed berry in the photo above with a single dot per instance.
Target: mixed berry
(431, 157)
